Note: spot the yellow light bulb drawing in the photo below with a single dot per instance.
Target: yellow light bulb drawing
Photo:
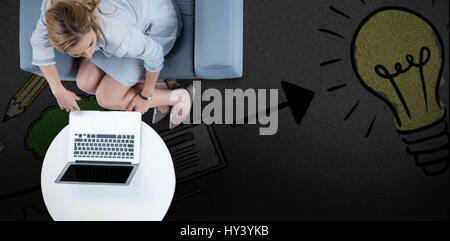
(398, 56)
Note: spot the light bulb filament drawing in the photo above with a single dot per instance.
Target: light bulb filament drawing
(383, 72)
(382, 58)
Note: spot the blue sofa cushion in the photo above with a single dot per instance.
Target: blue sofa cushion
(179, 62)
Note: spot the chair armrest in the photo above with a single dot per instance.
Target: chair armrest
(218, 46)
(30, 11)
(29, 14)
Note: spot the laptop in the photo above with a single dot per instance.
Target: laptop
(104, 148)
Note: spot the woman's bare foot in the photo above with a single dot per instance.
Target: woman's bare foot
(165, 108)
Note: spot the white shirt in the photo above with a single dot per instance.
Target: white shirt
(124, 24)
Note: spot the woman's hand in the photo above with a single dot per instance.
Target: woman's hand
(138, 104)
(67, 100)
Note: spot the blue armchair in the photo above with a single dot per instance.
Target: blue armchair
(210, 45)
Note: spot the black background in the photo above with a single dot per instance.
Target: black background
(322, 169)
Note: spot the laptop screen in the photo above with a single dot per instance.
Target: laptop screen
(97, 173)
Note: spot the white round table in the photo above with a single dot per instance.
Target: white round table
(148, 196)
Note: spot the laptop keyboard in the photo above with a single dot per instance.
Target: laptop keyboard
(109, 146)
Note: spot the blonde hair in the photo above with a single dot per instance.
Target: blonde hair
(69, 20)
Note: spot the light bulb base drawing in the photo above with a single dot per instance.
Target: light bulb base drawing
(429, 146)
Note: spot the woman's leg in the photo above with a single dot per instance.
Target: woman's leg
(115, 96)
(89, 77)
(162, 85)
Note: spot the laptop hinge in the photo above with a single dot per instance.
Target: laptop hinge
(103, 162)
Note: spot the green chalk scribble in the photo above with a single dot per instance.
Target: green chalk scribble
(31, 213)
(41, 132)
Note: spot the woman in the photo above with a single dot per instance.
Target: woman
(132, 37)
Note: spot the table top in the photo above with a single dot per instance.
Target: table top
(148, 196)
